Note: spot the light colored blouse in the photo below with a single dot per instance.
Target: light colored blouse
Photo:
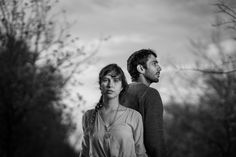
(124, 138)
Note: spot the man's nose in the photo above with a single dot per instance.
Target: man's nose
(159, 68)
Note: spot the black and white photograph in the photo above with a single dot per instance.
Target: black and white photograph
(117, 78)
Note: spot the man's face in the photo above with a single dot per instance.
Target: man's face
(152, 72)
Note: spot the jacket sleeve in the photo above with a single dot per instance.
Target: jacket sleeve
(85, 141)
(153, 124)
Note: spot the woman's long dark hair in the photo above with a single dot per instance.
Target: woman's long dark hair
(117, 71)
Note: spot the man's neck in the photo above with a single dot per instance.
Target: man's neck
(143, 80)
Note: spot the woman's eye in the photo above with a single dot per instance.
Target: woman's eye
(104, 80)
(116, 80)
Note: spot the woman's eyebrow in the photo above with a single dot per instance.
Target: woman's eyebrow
(116, 76)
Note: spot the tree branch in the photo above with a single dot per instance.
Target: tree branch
(210, 71)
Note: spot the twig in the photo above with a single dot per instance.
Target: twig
(211, 71)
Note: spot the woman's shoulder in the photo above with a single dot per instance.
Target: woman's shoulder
(133, 113)
(88, 113)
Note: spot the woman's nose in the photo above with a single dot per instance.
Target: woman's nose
(110, 83)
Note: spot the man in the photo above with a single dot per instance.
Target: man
(144, 69)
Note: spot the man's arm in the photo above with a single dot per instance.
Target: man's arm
(153, 124)
(138, 135)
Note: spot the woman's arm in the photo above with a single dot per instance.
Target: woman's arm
(85, 142)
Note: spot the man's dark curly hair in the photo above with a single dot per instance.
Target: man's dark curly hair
(138, 57)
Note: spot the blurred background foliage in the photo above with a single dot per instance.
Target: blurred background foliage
(207, 127)
(33, 57)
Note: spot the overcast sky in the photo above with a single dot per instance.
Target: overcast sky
(162, 25)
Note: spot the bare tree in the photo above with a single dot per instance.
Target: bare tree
(225, 24)
(34, 55)
(35, 22)
(227, 11)
(207, 127)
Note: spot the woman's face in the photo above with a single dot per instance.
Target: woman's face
(111, 86)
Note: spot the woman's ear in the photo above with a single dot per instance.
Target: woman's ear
(140, 69)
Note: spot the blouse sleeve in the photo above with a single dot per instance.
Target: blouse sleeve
(85, 141)
(138, 136)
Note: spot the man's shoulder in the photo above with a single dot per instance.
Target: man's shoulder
(152, 90)
(136, 85)
(135, 89)
(140, 87)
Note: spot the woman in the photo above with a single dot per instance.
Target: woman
(112, 130)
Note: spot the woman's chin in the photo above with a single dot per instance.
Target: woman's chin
(111, 96)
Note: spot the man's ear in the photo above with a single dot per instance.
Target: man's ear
(140, 69)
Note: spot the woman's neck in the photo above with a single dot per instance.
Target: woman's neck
(111, 104)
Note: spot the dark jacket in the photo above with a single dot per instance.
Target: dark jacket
(147, 101)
